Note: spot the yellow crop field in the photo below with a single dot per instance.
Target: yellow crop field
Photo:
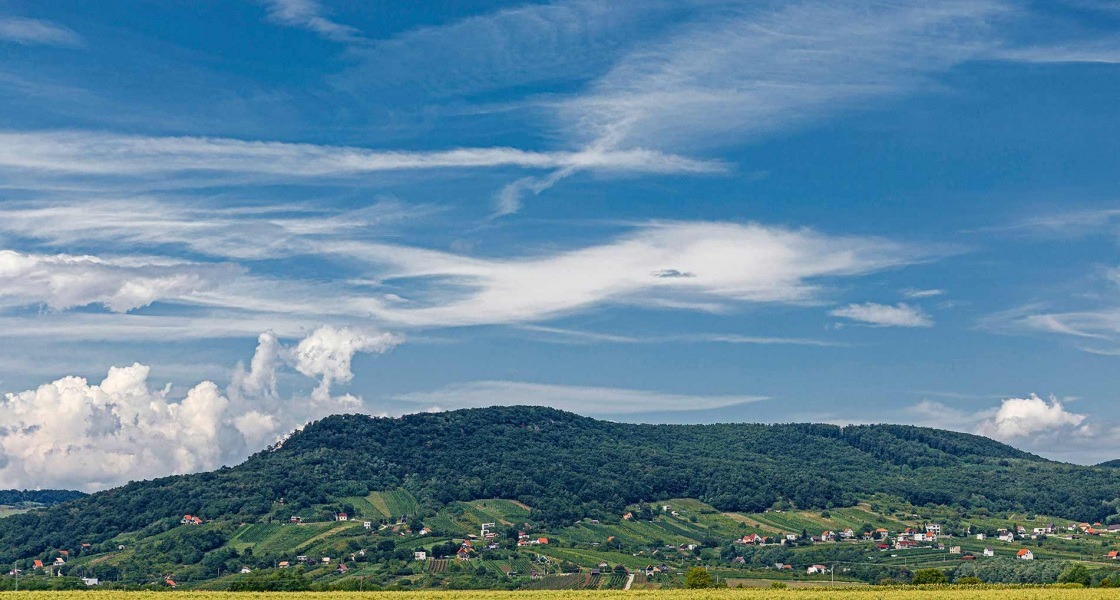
(711, 594)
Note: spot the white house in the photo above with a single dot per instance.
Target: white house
(954, 549)
(1025, 554)
(813, 570)
(989, 551)
(90, 581)
(367, 524)
(420, 555)
(1007, 537)
(981, 536)
(933, 528)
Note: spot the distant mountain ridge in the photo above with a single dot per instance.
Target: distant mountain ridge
(1111, 464)
(568, 467)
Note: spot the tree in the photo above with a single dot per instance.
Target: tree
(698, 577)
(1078, 573)
(930, 577)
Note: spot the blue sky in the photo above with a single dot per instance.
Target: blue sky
(260, 213)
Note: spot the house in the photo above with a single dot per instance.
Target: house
(1114, 555)
(58, 562)
(933, 528)
(245, 570)
(828, 536)
(813, 570)
(1025, 554)
(367, 524)
(420, 555)
(954, 549)
(425, 531)
(284, 564)
(968, 557)
(326, 560)
(1114, 528)
(542, 541)
(342, 517)
(65, 553)
(1043, 530)
(791, 537)
(989, 551)
(1007, 537)
(739, 560)
(38, 564)
(783, 567)
(628, 516)
(342, 568)
(464, 553)
(847, 534)
(296, 519)
(190, 520)
(752, 538)
(90, 581)
(981, 536)
(301, 559)
(881, 533)
(86, 545)
(170, 582)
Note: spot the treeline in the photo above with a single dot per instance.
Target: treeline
(568, 467)
(47, 497)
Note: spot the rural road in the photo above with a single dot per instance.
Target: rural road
(629, 581)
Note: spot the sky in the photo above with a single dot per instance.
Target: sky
(222, 219)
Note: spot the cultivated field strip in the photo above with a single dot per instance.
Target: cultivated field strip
(604, 594)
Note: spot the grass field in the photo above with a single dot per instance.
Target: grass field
(731, 594)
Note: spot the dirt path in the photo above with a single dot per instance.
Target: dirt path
(629, 582)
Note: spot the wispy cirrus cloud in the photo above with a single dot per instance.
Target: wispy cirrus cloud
(884, 315)
(309, 15)
(37, 32)
(114, 155)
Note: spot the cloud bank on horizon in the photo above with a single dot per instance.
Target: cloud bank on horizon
(836, 211)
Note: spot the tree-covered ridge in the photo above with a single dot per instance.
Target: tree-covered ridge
(568, 467)
(46, 497)
(1112, 464)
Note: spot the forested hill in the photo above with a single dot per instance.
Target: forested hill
(46, 497)
(1114, 464)
(566, 467)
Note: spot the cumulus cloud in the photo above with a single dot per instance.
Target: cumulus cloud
(883, 315)
(1031, 416)
(589, 400)
(77, 434)
(63, 281)
(327, 352)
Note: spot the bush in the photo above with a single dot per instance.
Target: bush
(698, 577)
(930, 577)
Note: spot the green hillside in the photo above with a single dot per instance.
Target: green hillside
(557, 473)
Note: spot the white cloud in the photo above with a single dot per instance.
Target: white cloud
(731, 264)
(917, 294)
(1105, 51)
(74, 434)
(752, 69)
(92, 153)
(1027, 417)
(883, 315)
(30, 32)
(586, 400)
(327, 353)
(63, 281)
(308, 14)
(245, 232)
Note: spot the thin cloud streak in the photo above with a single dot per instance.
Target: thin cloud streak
(104, 154)
(36, 32)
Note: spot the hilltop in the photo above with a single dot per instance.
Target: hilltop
(558, 468)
